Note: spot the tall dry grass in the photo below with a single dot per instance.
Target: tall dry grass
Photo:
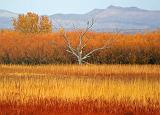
(83, 70)
(73, 89)
(24, 88)
(73, 82)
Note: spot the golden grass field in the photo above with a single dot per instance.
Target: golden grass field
(22, 84)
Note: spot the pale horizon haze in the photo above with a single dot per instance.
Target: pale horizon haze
(49, 7)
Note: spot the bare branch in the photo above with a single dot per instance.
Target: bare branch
(97, 49)
(85, 44)
(69, 45)
(89, 26)
(78, 52)
(69, 51)
(81, 35)
(79, 46)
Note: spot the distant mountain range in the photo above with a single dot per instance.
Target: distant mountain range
(110, 19)
(6, 18)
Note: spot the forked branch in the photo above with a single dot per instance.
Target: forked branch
(78, 51)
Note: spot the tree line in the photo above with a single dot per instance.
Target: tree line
(33, 42)
(50, 48)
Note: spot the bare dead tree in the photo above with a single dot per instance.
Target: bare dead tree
(78, 51)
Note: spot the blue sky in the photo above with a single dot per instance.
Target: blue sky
(72, 6)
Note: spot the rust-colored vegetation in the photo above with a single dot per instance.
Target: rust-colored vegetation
(85, 89)
(84, 107)
(49, 48)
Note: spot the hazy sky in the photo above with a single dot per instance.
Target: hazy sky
(72, 6)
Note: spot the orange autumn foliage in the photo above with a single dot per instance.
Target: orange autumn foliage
(49, 48)
(32, 23)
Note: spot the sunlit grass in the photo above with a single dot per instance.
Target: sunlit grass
(23, 89)
(84, 70)
(73, 82)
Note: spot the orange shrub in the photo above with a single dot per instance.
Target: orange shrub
(18, 48)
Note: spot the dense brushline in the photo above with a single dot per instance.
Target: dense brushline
(18, 48)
